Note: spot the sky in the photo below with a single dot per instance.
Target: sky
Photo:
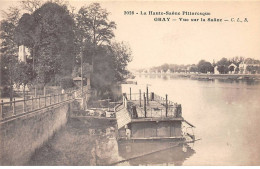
(154, 43)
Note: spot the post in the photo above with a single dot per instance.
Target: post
(147, 97)
(14, 108)
(44, 91)
(82, 72)
(140, 98)
(166, 104)
(45, 100)
(108, 103)
(32, 104)
(23, 105)
(144, 106)
(39, 102)
(1, 110)
(35, 92)
(50, 99)
(130, 94)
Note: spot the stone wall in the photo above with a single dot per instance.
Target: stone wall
(21, 136)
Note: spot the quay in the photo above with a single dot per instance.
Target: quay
(26, 124)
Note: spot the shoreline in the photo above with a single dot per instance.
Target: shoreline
(209, 76)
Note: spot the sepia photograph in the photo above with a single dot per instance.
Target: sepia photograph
(129, 83)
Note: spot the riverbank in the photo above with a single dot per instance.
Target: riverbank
(228, 76)
(210, 76)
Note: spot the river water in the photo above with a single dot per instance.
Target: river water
(226, 115)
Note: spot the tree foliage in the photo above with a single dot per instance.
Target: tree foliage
(204, 66)
(8, 48)
(94, 25)
(49, 31)
(55, 43)
(121, 56)
(23, 73)
(223, 65)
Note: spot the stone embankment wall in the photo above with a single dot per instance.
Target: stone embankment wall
(21, 136)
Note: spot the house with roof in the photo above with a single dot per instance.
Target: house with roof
(86, 80)
(168, 71)
(248, 62)
(23, 53)
(216, 70)
(232, 68)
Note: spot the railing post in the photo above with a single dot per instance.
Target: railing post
(108, 103)
(39, 101)
(140, 97)
(32, 104)
(144, 106)
(166, 104)
(14, 108)
(130, 94)
(24, 105)
(147, 97)
(1, 110)
(45, 100)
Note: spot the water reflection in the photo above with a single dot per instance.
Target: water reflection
(155, 153)
(225, 113)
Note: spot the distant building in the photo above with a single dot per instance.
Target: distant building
(168, 71)
(248, 62)
(77, 81)
(86, 80)
(216, 70)
(23, 53)
(234, 68)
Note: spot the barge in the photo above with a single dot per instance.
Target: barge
(150, 117)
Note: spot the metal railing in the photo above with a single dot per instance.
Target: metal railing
(136, 104)
(16, 107)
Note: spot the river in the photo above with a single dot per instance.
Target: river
(226, 115)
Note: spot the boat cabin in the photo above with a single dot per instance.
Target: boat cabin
(149, 118)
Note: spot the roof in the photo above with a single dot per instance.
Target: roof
(232, 64)
(122, 117)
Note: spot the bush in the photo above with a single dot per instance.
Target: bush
(67, 82)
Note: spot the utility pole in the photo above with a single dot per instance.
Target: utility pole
(82, 71)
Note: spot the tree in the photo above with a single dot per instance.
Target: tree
(93, 26)
(194, 69)
(30, 5)
(23, 75)
(237, 70)
(103, 72)
(49, 31)
(223, 65)
(204, 66)
(231, 68)
(252, 69)
(8, 50)
(121, 55)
